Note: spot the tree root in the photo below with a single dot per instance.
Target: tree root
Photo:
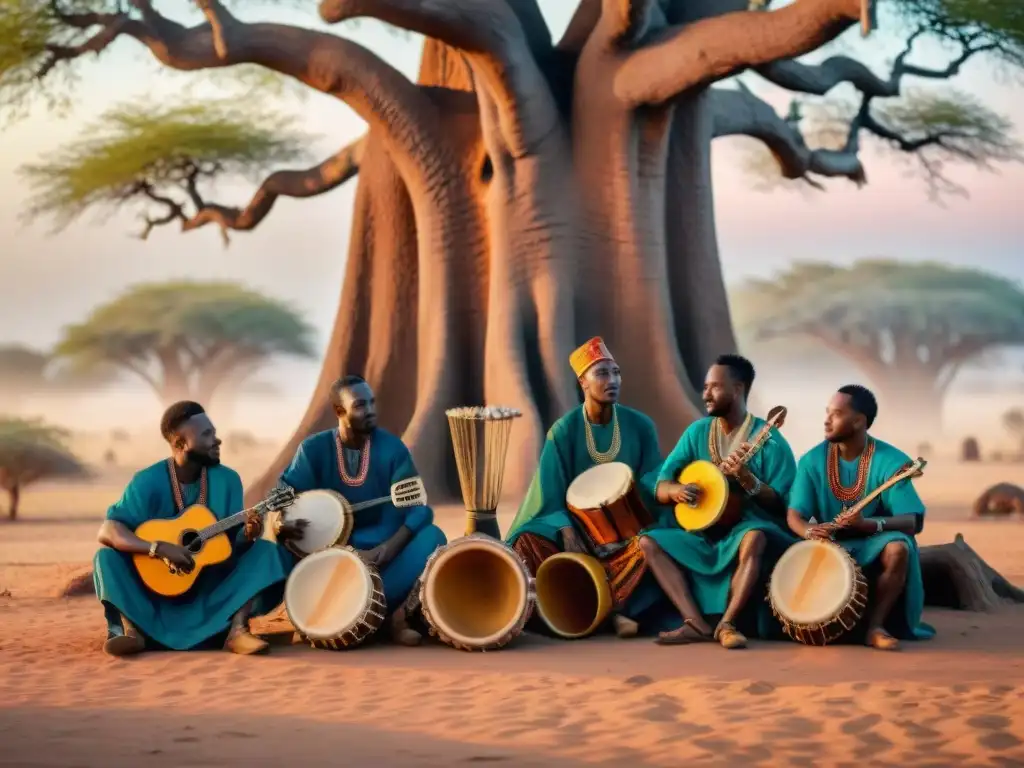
(955, 576)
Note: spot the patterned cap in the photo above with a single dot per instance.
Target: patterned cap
(593, 351)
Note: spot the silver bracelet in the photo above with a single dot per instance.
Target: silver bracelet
(756, 489)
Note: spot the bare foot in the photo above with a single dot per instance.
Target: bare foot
(881, 640)
(625, 628)
(687, 634)
(401, 632)
(729, 637)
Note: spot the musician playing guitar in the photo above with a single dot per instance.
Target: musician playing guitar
(361, 461)
(223, 597)
(726, 566)
(836, 473)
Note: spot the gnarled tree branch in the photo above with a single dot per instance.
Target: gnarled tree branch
(685, 57)
(328, 175)
(492, 36)
(378, 92)
(741, 113)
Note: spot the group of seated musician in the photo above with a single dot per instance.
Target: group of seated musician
(692, 586)
(681, 581)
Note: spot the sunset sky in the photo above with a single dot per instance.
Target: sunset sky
(298, 254)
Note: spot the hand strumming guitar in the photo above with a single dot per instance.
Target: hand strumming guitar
(176, 555)
(676, 493)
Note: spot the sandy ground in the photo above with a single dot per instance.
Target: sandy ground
(956, 700)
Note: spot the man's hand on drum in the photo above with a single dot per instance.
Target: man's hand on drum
(253, 525)
(292, 530)
(571, 541)
(818, 532)
(683, 494)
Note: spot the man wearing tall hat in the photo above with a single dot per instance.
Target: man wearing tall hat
(598, 432)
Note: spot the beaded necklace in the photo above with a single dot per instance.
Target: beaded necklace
(364, 462)
(840, 491)
(715, 434)
(176, 489)
(603, 457)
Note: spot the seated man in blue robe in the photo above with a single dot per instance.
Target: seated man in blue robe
(841, 470)
(361, 461)
(224, 596)
(726, 567)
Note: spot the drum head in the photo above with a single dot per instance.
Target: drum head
(599, 485)
(327, 593)
(330, 520)
(476, 591)
(812, 582)
(714, 493)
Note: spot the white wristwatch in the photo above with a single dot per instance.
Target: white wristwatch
(152, 548)
(879, 525)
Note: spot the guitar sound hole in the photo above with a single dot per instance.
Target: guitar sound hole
(190, 540)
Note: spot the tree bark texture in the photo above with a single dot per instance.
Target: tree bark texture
(518, 199)
(13, 500)
(576, 202)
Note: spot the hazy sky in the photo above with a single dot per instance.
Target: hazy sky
(298, 254)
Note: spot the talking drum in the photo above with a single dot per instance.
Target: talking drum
(328, 517)
(573, 594)
(335, 600)
(817, 592)
(476, 593)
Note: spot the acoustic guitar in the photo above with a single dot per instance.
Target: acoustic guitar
(202, 534)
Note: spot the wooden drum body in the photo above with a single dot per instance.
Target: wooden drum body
(605, 503)
(335, 600)
(573, 594)
(715, 506)
(476, 593)
(818, 592)
(329, 521)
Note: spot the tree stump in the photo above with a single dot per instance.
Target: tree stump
(956, 577)
(970, 450)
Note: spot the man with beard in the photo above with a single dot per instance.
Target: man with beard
(598, 432)
(839, 471)
(224, 596)
(361, 461)
(725, 567)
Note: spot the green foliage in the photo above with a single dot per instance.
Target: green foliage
(204, 332)
(996, 22)
(937, 306)
(135, 149)
(21, 369)
(31, 450)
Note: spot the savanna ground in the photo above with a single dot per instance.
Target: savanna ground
(956, 700)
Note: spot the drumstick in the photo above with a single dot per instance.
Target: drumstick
(320, 609)
(805, 583)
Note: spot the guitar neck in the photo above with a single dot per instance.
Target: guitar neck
(222, 526)
(370, 503)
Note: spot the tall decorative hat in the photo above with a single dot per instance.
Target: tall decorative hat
(593, 351)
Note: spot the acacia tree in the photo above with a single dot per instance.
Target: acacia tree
(185, 339)
(910, 328)
(30, 451)
(523, 195)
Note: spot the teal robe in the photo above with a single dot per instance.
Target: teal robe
(812, 497)
(315, 466)
(255, 570)
(565, 457)
(710, 562)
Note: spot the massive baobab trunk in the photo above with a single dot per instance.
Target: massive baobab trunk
(575, 199)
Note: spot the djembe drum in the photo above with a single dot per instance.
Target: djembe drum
(480, 438)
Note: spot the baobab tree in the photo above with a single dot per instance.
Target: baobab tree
(524, 194)
(31, 451)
